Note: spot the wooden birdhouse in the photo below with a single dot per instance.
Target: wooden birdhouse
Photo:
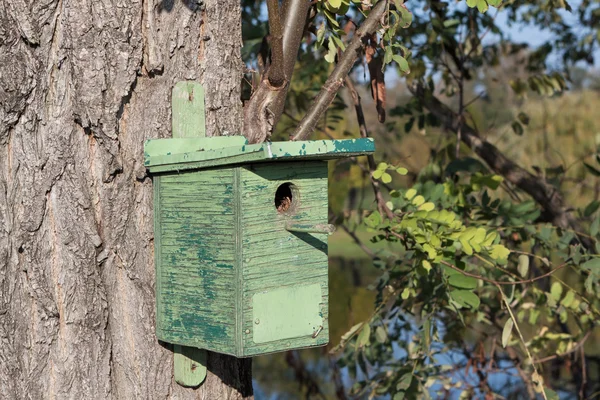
(241, 241)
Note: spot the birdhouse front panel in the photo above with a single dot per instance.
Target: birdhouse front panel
(284, 273)
(195, 226)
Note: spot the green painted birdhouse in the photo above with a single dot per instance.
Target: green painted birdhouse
(241, 241)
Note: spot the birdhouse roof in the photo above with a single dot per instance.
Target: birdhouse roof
(176, 154)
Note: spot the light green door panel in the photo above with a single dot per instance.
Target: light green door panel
(287, 313)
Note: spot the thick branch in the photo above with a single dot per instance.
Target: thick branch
(336, 79)
(546, 195)
(276, 73)
(265, 107)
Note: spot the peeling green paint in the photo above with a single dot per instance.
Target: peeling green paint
(162, 155)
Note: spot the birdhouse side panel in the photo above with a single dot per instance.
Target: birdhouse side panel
(285, 289)
(195, 275)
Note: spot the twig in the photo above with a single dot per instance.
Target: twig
(516, 327)
(335, 80)
(499, 282)
(364, 248)
(360, 116)
(566, 353)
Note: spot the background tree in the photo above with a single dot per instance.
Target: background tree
(82, 85)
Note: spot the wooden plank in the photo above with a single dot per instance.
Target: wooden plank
(190, 366)
(188, 120)
(187, 108)
(262, 152)
(163, 147)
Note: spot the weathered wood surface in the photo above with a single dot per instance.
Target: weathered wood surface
(82, 84)
(171, 158)
(189, 364)
(196, 275)
(223, 253)
(295, 259)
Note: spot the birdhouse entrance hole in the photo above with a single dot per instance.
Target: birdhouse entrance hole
(286, 198)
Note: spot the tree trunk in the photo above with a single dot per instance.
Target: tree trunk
(82, 84)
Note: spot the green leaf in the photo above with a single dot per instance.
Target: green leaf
(429, 206)
(427, 333)
(335, 3)
(364, 336)
(499, 252)
(386, 178)
(466, 246)
(495, 3)
(405, 16)
(404, 382)
(351, 332)
(591, 208)
(381, 334)
(482, 6)
(404, 171)
(551, 394)
(595, 226)
(402, 63)
(472, 3)
(426, 265)
(593, 265)
(410, 193)
(449, 23)
(523, 267)
(378, 173)
(373, 220)
(462, 281)
(338, 42)
(388, 55)
(507, 332)
(556, 291)
(465, 298)
(417, 201)
(431, 252)
(331, 52)
(568, 300)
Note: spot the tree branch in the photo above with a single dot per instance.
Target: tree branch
(546, 195)
(276, 73)
(264, 109)
(336, 79)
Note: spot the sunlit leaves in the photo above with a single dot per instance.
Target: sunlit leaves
(499, 253)
(483, 5)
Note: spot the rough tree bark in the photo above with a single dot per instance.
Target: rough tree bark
(82, 84)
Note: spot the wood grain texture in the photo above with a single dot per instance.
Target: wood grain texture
(196, 270)
(292, 259)
(82, 84)
(222, 248)
(187, 118)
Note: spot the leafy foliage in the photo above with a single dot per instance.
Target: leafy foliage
(475, 276)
